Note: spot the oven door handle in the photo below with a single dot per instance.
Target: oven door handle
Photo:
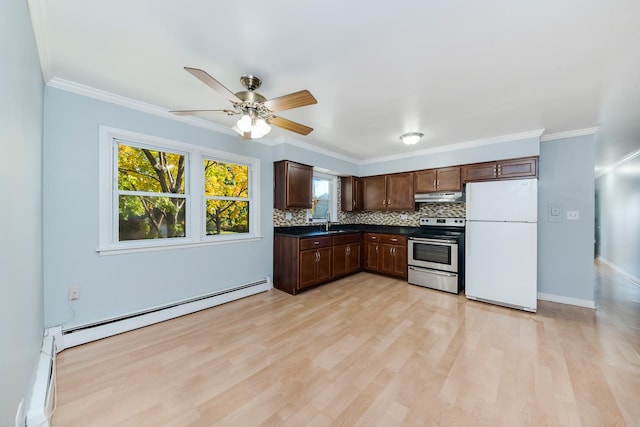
(423, 240)
(440, 273)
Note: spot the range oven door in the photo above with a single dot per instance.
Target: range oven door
(433, 253)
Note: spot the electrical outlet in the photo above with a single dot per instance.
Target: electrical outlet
(404, 217)
(288, 216)
(74, 293)
(573, 215)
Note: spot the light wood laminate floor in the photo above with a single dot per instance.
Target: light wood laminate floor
(366, 350)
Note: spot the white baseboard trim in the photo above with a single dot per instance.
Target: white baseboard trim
(42, 400)
(626, 274)
(83, 334)
(566, 300)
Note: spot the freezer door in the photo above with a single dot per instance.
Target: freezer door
(511, 200)
(501, 263)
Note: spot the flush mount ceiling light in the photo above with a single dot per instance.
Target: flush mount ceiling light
(411, 137)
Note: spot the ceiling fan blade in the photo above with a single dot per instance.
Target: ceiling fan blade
(290, 125)
(293, 100)
(213, 83)
(192, 112)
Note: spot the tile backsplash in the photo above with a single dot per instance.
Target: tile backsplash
(445, 210)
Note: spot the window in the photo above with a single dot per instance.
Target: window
(157, 193)
(151, 193)
(324, 198)
(226, 189)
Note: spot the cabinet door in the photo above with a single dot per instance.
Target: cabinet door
(308, 261)
(353, 262)
(400, 261)
(371, 256)
(299, 185)
(448, 179)
(340, 260)
(387, 259)
(400, 194)
(323, 264)
(350, 198)
(374, 195)
(425, 181)
(479, 172)
(292, 185)
(518, 168)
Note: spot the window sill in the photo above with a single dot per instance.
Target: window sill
(178, 245)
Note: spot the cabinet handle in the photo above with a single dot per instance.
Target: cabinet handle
(316, 243)
(348, 250)
(388, 203)
(438, 185)
(376, 248)
(499, 170)
(394, 240)
(434, 183)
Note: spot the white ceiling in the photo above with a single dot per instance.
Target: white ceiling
(456, 71)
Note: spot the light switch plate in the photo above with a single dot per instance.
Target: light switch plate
(555, 212)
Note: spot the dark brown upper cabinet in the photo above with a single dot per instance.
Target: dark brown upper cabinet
(350, 194)
(435, 180)
(388, 192)
(526, 167)
(292, 185)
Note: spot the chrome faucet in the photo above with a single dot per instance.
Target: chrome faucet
(328, 218)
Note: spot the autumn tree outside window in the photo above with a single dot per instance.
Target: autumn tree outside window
(157, 193)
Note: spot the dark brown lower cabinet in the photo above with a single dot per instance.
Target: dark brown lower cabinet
(346, 254)
(300, 263)
(386, 254)
(315, 267)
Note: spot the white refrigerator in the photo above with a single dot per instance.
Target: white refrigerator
(501, 243)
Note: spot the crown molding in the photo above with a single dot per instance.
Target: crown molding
(37, 11)
(105, 96)
(460, 146)
(310, 147)
(569, 134)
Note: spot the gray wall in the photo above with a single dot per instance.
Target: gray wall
(565, 249)
(618, 213)
(124, 283)
(21, 323)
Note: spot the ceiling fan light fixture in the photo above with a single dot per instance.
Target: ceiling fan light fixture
(260, 129)
(411, 137)
(244, 123)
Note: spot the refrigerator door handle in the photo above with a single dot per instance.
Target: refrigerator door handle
(467, 239)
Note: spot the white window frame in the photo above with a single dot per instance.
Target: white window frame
(195, 227)
(333, 199)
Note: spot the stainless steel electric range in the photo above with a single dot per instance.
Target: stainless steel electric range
(436, 254)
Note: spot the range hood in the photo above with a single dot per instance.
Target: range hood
(447, 197)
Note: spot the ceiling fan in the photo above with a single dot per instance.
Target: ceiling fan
(256, 112)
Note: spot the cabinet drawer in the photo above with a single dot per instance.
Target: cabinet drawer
(316, 242)
(346, 238)
(393, 239)
(371, 237)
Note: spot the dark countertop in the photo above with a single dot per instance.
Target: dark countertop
(336, 229)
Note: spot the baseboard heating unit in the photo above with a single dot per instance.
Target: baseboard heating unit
(44, 388)
(77, 335)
